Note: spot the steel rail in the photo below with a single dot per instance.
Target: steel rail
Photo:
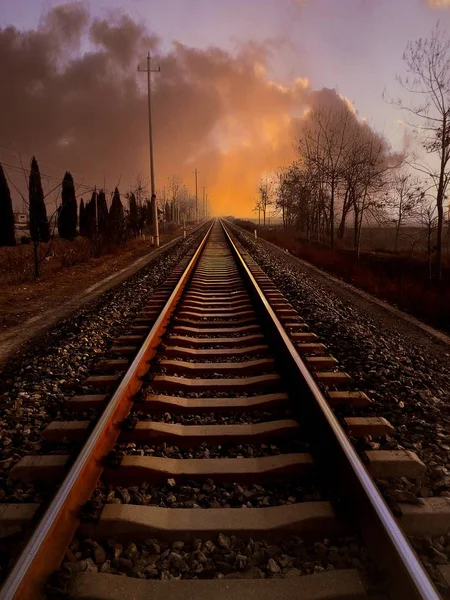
(47, 545)
(407, 578)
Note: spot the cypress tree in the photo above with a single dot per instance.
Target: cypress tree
(102, 212)
(82, 219)
(149, 212)
(133, 218)
(67, 212)
(39, 225)
(89, 214)
(7, 230)
(115, 218)
(142, 217)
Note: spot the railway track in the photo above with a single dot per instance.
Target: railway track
(218, 460)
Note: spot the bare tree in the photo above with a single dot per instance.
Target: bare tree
(265, 197)
(429, 219)
(294, 197)
(370, 195)
(403, 201)
(186, 204)
(344, 165)
(323, 144)
(174, 186)
(352, 172)
(310, 165)
(140, 189)
(257, 209)
(287, 194)
(428, 78)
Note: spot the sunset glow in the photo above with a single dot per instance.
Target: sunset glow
(234, 84)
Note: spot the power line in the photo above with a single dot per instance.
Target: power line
(16, 152)
(46, 176)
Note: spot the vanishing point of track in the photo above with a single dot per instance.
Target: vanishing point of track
(220, 338)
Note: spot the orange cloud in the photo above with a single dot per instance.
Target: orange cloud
(87, 112)
(214, 110)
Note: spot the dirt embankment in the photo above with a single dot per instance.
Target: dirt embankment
(28, 309)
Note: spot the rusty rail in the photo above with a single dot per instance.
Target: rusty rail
(333, 451)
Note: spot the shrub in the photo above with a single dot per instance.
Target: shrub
(73, 253)
(16, 264)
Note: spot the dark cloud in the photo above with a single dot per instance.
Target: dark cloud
(65, 23)
(122, 38)
(71, 94)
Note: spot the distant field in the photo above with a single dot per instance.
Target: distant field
(402, 278)
(411, 240)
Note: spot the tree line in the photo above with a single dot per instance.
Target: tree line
(106, 227)
(177, 202)
(344, 170)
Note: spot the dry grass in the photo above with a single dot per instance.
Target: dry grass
(24, 296)
(400, 279)
(17, 264)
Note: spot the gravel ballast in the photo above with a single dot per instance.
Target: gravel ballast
(211, 494)
(225, 557)
(207, 451)
(255, 416)
(408, 381)
(36, 384)
(403, 368)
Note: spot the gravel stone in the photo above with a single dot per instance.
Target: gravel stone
(273, 567)
(227, 557)
(36, 383)
(206, 495)
(227, 450)
(224, 541)
(231, 418)
(405, 375)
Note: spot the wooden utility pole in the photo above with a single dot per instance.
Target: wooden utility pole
(204, 201)
(196, 196)
(149, 71)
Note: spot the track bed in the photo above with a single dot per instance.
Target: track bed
(218, 458)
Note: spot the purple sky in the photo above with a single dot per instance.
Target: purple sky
(355, 46)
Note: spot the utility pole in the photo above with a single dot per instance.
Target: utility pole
(196, 196)
(206, 206)
(149, 71)
(164, 209)
(204, 201)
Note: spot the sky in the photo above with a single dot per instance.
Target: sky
(234, 75)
